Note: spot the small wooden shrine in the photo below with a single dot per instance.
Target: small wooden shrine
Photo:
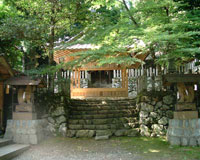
(100, 77)
(186, 106)
(5, 73)
(23, 108)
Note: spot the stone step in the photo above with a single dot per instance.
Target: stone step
(12, 150)
(98, 133)
(102, 116)
(104, 121)
(104, 103)
(92, 112)
(102, 100)
(96, 108)
(102, 126)
(4, 142)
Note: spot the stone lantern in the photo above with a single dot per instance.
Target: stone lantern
(25, 127)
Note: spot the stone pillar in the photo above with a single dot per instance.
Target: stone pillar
(184, 132)
(26, 131)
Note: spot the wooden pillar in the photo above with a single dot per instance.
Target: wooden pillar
(126, 74)
(1, 104)
(79, 79)
(72, 80)
(122, 76)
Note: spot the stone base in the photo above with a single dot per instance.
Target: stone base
(26, 131)
(181, 106)
(184, 132)
(184, 115)
(24, 116)
(24, 108)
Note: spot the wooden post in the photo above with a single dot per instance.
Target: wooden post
(1, 104)
(72, 80)
(79, 77)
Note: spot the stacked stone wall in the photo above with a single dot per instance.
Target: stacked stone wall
(154, 113)
(55, 108)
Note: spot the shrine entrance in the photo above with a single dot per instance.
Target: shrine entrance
(100, 79)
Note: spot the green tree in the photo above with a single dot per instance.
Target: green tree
(167, 28)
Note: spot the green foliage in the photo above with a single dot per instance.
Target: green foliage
(168, 27)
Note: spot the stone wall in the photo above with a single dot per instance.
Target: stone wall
(155, 112)
(26, 131)
(57, 108)
(184, 132)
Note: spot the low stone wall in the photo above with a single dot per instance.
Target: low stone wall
(55, 109)
(154, 115)
(26, 131)
(57, 119)
(184, 132)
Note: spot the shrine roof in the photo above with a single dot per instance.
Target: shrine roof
(24, 81)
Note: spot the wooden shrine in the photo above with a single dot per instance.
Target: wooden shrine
(25, 86)
(64, 55)
(186, 106)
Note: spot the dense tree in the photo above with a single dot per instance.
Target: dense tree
(166, 28)
(37, 24)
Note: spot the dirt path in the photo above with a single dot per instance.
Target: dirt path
(78, 149)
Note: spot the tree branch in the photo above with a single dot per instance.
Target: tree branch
(129, 13)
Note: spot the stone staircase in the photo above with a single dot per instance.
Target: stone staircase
(103, 118)
(8, 150)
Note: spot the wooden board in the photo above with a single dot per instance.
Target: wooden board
(186, 78)
(186, 115)
(98, 92)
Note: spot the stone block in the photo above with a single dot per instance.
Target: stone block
(185, 123)
(193, 123)
(178, 132)
(174, 140)
(25, 139)
(51, 120)
(144, 114)
(91, 127)
(106, 137)
(187, 132)
(147, 107)
(33, 139)
(9, 123)
(163, 121)
(71, 133)
(133, 132)
(198, 141)
(61, 119)
(193, 142)
(168, 99)
(18, 138)
(32, 131)
(159, 104)
(85, 133)
(122, 132)
(196, 132)
(184, 141)
(104, 133)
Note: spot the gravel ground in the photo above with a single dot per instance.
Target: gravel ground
(78, 149)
